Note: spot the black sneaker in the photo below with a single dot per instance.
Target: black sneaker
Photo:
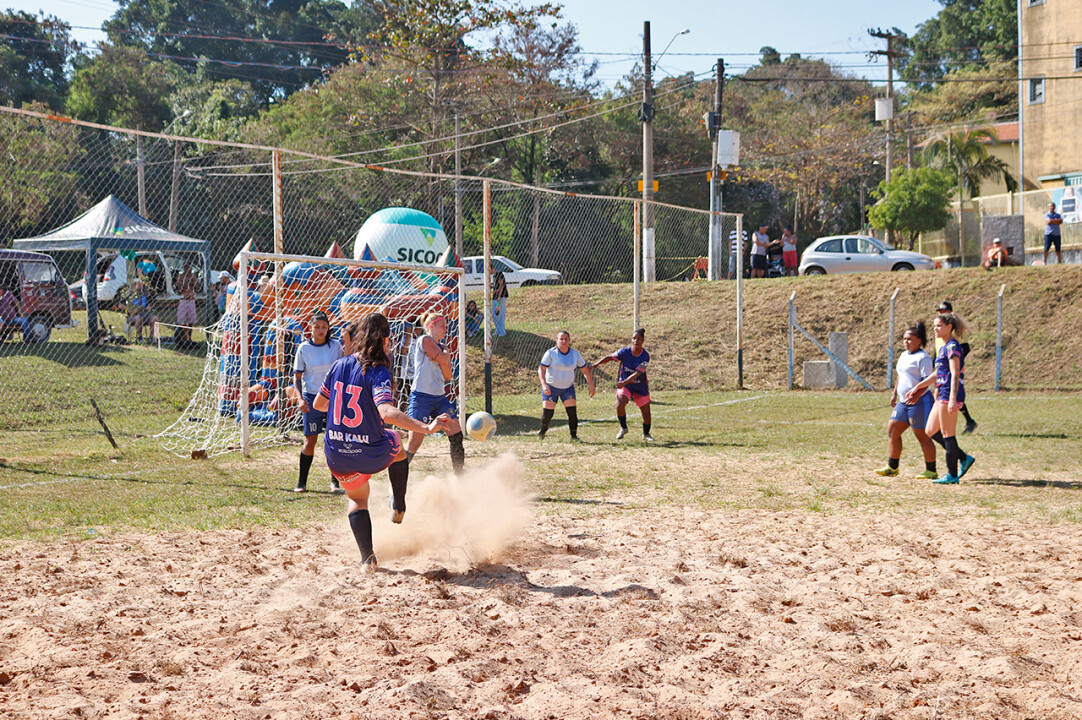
(971, 425)
(541, 434)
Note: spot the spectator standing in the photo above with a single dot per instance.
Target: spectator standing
(141, 311)
(1052, 221)
(221, 293)
(760, 242)
(788, 251)
(186, 284)
(499, 303)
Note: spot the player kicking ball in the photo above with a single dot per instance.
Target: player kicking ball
(358, 397)
(631, 383)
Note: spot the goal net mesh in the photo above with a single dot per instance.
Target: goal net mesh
(283, 292)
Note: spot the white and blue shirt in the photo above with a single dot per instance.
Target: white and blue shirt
(314, 362)
(560, 367)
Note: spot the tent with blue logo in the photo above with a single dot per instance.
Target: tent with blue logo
(112, 226)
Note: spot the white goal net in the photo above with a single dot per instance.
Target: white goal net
(246, 397)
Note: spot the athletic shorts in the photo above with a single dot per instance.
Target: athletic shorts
(423, 407)
(558, 394)
(1050, 240)
(758, 262)
(353, 471)
(916, 414)
(186, 312)
(789, 257)
(313, 422)
(943, 394)
(639, 400)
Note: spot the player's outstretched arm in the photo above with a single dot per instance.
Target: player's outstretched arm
(589, 373)
(393, 416)
(602, 361)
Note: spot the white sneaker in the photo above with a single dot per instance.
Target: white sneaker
(620, 435)
(647, 437)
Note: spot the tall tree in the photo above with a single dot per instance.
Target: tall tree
(912, 202)
(34, 59)
(122, 86)
(965, 34)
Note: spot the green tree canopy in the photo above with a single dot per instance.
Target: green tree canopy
(123, 87)
(914, 201)
(34, 58)
(966, 34)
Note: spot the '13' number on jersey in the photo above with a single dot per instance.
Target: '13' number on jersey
(354, 414)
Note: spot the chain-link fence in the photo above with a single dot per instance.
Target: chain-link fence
(65, 348)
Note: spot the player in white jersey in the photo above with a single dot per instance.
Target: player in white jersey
(557, 373)
(313, 361)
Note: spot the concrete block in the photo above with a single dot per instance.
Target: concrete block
(838, 343)
(819, 375)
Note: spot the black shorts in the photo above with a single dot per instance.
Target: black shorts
(758, 262)
(1050, 240)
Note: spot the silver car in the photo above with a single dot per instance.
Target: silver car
(858, 253)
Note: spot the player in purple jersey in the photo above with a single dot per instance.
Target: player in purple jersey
(631, 382)
(949, 378)
(358, 397)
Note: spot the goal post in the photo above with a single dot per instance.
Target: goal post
(246, 397)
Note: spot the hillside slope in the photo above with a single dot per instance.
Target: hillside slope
(691, 327)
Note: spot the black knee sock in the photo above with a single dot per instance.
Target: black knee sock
(953, 455)
(573, 421)
(399, 473)
(966, 415)
(892, 463)
(623, 421)
(938, 438)
(306, 465)
(546, 418)
(646, 428)
(458, 453)
(930, 466)
(360, 522)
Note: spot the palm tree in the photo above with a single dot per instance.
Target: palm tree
(965, 156)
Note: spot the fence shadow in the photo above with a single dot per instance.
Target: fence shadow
(68, 354)
(1016, 482)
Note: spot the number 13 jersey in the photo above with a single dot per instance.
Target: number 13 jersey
(354, 426)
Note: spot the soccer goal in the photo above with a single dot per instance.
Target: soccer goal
(246, 398)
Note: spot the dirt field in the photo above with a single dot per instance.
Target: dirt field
(489, 605)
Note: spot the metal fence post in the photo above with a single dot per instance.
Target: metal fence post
(486, 224)
(792, 314)
(243, 378)
(999, 332)
(740, 303)
(890, 341)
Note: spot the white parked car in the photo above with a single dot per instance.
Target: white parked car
(858, 253)
(114, 272)
(513, 273)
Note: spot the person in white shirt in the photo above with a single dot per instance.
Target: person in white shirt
(313, 361)
(913, 366)
(760, 241)
(557, 374)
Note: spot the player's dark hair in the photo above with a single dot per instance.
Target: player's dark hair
(958, 325)
(367, 335)
(640, 332)
(918, 331)
(563, 332)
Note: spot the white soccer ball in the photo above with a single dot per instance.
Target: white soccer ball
(480, 426)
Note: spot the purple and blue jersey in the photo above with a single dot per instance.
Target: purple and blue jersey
(952, 348)
(355, 441)
(631, 364)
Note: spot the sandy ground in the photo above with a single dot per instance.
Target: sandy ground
(491, 609)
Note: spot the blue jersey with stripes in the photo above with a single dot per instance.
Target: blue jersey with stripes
(952, 348)
(630, 363)
(354, 425)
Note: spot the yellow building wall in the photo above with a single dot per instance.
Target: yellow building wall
(1052, 143)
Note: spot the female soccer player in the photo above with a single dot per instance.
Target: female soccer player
(631, 383)
(557, 373)
(971, 424)
(358, 397)
(313, 361)
(913, 366)
(431, 371)
(949, 378)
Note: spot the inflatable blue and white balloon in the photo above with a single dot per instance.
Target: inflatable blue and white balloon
(404, 235)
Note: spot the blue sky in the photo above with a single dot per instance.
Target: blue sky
(611, 32)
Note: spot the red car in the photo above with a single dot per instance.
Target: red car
(40, 289)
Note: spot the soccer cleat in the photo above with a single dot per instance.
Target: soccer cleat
(928, 475)
(369, 564)
(541, 434)
(300, 488)
(647, 437)
(888, 471)
(947, 479)
(620, 435)
(397, 515)
(971, 425)
(575, 439)
(963, 467)
(336, 488)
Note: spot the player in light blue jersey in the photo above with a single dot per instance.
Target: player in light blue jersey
(313, 361)
(358, 397)
(557, 373)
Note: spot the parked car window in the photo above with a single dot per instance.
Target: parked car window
(498, 264)
(39, 272)
(834, 245)
(514, 266)
(859, 245)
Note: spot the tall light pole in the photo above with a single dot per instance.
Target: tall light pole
(646, 115)
(174, 190)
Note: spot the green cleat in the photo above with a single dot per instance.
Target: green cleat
(887, 471)
(928, 475)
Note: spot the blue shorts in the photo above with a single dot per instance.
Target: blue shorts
(423, 407)
(313, 422)
(916, 414)
(1050, 240)
(558, 394)
(943, 394)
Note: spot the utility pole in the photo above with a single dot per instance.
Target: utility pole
(713, 124)
(140, 161)
(890, 54)
(174, 188)
(458, 186)
(646, 115)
